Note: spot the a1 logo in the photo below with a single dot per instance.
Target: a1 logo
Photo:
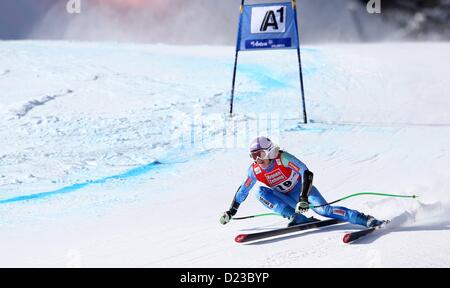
(271, 19)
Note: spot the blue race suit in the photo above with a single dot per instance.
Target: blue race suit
(282, 198)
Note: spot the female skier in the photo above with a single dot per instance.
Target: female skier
(288, 188)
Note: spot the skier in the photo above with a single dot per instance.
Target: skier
(288, 188)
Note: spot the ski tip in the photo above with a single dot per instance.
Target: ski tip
(347, 238)
(240, 238)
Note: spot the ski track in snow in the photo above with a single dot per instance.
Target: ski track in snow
(108, 154)
(22, 111)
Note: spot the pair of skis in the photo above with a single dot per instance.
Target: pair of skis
(348, 237)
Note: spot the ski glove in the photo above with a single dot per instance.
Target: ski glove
(226, 216)
(302, 206)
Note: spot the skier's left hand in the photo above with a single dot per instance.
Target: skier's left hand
(302, 206)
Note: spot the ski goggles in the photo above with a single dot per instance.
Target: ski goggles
(260, 154)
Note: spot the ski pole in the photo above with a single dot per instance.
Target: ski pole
(365, 193)
(336, 201)
(254, 216)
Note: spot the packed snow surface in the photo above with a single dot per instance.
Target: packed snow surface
(124, 155)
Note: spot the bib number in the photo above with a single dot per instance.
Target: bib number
(287, 185)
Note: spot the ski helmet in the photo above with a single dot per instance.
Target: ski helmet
(263, 148)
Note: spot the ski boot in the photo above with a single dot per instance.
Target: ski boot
(297, 219)
(373, 222)
(367, 221)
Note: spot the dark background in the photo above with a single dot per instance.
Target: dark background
(215, 21)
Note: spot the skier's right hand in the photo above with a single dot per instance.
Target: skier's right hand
(226, 217)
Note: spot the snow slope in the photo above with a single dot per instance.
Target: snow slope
(122, 155)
